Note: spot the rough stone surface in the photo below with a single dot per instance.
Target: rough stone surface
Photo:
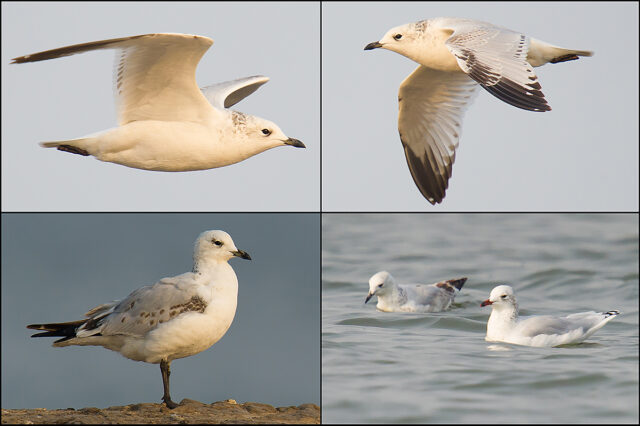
(188, 412)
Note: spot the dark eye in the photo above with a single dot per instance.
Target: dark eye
(397, 36)
(380, 285)
(266, 132)
(216, 242)
(504, 296)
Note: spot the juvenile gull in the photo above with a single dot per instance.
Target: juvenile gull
(165, 122)
(454, 54)
(412, 298)
(174, 318)
(505, 326)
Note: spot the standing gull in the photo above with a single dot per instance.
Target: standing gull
(393, 297)
(166, 122)
(542, 331)
(175, 318)
(454, 54)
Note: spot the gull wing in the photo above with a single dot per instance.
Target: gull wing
(154, 76)
(145, 309)
(226, 94)
(497, 59)
(432, 104)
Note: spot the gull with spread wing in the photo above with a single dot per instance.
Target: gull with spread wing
(166, 122)
(455, 56)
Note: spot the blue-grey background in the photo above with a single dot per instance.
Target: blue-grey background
(55, 267)
(582, 155)
(72, 96)
(437, 368)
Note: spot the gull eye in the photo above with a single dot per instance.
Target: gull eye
(504, 296)
(266, 132)
(216, 242)
(397, 36)
(380, 285)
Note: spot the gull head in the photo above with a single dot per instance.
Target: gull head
(380, 284)
(399, 39)
(261, 134)
(216, 246)
(501, 298)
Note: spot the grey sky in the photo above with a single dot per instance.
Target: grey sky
(583, 155)
(55, 267)
(72, 96)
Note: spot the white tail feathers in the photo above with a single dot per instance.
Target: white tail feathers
(541, 53)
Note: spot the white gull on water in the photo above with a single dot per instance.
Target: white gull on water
(393, 297)
(166, 122)
(455, 55)
(175, 318)
(543, 331)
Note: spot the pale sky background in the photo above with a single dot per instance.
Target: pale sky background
(582, 155)
(72, 96)
(55, 267)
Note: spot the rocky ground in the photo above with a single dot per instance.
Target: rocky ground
(189, 411)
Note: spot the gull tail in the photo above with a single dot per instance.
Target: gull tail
(66, 330)
(73, 146)
(541, 53)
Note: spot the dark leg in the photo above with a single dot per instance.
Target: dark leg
(164, 368)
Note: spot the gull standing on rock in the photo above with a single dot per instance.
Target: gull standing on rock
(455, 55)
(412, 298)
(175, 318)
(166, 122)
(542, 331)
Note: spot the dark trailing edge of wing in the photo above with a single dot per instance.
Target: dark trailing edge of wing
(531, 99)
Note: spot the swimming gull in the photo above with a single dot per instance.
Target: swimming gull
(175, 318)
(454, 54)
(542, 331)
(165, 122)
(393, 297)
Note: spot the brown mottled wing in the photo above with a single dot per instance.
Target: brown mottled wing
(154, 77)
(451, 285)
(146, 308)
(497, 59)
(432, 104)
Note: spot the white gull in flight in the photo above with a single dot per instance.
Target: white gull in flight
(175, 318)
(393, 297)
(542, 331)
(166, 122)
(455, 55)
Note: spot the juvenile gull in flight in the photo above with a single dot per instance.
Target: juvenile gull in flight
(545, 330)
(393, 297)
(175, 318)
(455, 55)
(166, 122)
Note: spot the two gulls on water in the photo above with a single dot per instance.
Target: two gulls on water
(175, 318)
(455, 56)
(503, 325)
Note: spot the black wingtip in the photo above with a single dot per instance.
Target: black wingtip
(458, 283)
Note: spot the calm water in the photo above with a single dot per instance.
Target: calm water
(407, 367)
